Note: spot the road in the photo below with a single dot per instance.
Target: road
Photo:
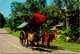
(11, 44)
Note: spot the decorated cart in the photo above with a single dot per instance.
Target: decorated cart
(28, 31)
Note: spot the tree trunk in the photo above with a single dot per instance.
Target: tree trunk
(67, 22)
(40, 6)
(67, 19)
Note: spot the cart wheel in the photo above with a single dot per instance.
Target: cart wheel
(22, 38)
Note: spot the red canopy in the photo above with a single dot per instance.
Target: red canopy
(37, 20)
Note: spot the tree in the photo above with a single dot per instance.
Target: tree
(71, 13)
(66, 6)
(20, 10)
(53, 14)
(74, 22)
(3, 21)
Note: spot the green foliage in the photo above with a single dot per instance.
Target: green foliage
(64, 35)
(20, 10)
(7, 28)
(13, 32)
(55, 13)
(67, 31)
(2, 20)
(70, 33)
(64, 24)
(60, 39)
(28, 9)
(78, 40)
(17, 33)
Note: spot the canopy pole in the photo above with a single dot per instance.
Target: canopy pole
(44, 27)
(40, 31)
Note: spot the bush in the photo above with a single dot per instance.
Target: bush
(17, 33)
(78, 40)
(7, 28)
(64, 35)
(67, 31)
(61, 38)
(59, 32)
(67, 39)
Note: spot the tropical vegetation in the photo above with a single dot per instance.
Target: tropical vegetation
(65, 11)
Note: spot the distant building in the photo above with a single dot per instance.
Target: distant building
(57, 27)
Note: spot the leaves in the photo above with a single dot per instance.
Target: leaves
(2, 20)
(57, 12)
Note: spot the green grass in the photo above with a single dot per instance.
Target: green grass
(68, 46)
(17, 33)
(7, 28)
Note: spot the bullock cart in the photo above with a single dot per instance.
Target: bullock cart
(29, 31)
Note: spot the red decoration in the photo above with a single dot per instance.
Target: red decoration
(23, 18)
(37, 20)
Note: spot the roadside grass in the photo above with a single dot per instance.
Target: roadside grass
(66, 45)
(7, 28)
(17, 33)
(63, 45)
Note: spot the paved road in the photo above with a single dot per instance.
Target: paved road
(11, 44)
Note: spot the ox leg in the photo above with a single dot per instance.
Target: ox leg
(48, 44)
(38, 46)
(43, 43)
(27, 43)
(32, 46)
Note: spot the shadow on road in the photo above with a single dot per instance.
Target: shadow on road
(4, 33)
(42, 48)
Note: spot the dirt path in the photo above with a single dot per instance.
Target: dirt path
(11, 44)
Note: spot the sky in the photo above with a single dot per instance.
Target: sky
(5, 6)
